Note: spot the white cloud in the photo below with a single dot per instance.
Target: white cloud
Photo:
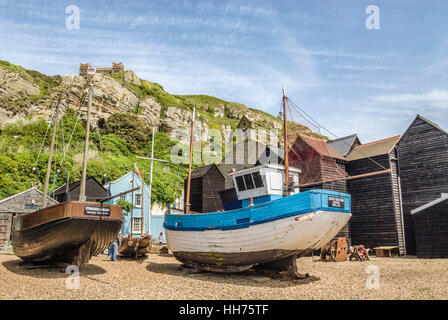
(358, 67)
(434, 97)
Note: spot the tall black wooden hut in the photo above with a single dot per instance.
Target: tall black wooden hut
(206, 183)
(431, 228)
(423, 164)
(95, 191)
(376, 208)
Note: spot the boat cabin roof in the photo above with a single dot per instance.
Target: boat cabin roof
(268, 166)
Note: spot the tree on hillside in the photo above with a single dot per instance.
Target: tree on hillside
(130, 128)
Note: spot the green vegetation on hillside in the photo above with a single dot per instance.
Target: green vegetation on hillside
(21, 141)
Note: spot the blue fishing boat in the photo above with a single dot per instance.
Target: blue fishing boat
(236, 240)
(276, 224)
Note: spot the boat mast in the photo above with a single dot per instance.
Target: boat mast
(150, 170)
(187, 198)
(143, 191)
(82, 191)
(50, 156)
(285, 145)
(152, 164)
(132, 201)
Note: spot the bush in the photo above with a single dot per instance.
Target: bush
(130, 128)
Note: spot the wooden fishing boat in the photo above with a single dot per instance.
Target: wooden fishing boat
(276, 224)
(69, 232)
(234, 241)
(135, 247)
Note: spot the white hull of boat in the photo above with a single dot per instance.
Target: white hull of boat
(271, 240)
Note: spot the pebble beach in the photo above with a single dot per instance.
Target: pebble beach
(161, 276)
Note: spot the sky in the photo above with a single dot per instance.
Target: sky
(346, 76)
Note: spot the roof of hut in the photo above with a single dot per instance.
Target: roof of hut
(428, 121)
(199, 172)
(73, 185)
(443, 198)
(320, 146)
(344, 145)
(373, 149)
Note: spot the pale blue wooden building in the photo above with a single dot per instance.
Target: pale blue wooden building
(152, 224)
(127, 182)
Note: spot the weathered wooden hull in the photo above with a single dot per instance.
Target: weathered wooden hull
(291, 226)
(64, 233)
(134, 247)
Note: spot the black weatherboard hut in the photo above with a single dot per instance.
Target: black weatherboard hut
(94, 191)
(376, 208)
(206, 183)
(431, 228)
(423, 163)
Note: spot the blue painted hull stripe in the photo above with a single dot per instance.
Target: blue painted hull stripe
(247, 225)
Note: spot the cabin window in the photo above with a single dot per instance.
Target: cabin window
(240, 183)
(123, 197)
(138, 200)
(249, 182)
(136, 224)
(258, 180)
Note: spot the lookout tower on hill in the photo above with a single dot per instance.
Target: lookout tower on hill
(116, 68)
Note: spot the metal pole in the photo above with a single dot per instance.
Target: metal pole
(82, 191)
(150, 178)
(187, 198)
(143, 191)
(50, 156)
(344, 179)
(285, 145)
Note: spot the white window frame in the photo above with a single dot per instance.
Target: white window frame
(138, 200)
(136, 227)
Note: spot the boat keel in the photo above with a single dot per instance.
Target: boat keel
(285, 268)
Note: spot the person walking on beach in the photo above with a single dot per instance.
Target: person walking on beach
(113, 249)
(161, 238)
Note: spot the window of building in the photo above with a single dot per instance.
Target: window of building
(123, 197)
(138, 200)
(136, 224)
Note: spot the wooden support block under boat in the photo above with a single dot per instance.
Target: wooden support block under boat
(135, 247)
(69, 232)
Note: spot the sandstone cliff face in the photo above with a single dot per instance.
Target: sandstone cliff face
(14, 85)
(113, 95)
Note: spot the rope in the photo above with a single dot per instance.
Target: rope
(43, 142)
(300, 111)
